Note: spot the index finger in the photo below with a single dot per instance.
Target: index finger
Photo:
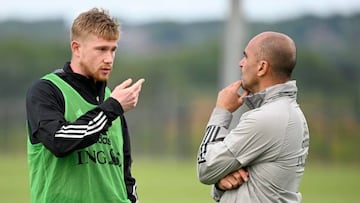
(138, 84)
(236, 85)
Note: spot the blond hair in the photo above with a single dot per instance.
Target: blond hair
(97, 22)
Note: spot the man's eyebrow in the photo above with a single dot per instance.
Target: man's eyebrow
(106, 47)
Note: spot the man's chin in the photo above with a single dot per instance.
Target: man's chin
(101, 78)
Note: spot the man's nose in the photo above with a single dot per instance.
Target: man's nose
(241, 63)
(109, 58)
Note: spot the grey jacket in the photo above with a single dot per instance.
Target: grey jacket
(271, 141)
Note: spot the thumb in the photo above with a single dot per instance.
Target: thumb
(242, 96)
(244, 93)
(125, 84)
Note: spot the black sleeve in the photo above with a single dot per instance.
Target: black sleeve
(46, 122)
(129, 179)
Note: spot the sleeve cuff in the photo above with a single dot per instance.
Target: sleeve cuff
(216, 193)
(111, 108)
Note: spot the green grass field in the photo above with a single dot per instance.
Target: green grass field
(175, 181)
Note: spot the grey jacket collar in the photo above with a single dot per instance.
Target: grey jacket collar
(287, 89)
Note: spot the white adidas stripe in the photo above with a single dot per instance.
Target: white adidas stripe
(80, 131)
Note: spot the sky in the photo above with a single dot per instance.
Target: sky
(143, 11)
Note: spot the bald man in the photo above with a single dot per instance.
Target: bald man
(262, 159)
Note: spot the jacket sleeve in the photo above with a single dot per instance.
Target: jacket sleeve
(129, 179)
(46, 123)
(215, 160)
(254, 140)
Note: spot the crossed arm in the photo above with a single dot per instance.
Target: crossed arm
(233, 180)
(229, 99)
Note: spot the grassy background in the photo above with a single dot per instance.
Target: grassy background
(175, 181)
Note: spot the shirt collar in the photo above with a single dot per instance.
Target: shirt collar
(288, 89)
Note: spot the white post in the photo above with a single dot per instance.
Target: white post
(234, 44)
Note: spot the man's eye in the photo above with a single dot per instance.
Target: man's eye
(101, 49)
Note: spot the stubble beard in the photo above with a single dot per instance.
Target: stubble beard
(96, 75)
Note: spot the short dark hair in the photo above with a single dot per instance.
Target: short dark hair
(280, 51)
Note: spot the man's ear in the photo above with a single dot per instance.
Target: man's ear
(263, 68)
(75, 47)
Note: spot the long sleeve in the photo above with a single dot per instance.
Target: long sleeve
(215, 160)
(129, 179)
(46, 122)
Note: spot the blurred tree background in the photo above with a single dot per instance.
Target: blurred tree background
(181, 63)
